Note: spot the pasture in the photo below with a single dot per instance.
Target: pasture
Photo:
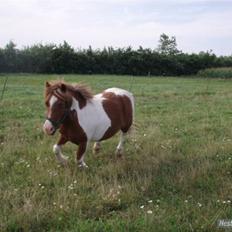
(175, 175)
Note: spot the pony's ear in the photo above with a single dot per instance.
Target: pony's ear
(63, 88)
(47, 84)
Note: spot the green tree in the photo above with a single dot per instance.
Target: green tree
(10, 54)
(167, 45)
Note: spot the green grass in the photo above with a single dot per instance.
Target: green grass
(225, 72)
(179, 156)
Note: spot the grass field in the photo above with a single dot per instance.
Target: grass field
(175, 175)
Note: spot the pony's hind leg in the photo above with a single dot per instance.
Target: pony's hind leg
(58, 152)
(119, 149)
(96, 147)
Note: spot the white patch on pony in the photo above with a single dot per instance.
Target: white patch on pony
(117, 91)
(122, 92)
(92, 118)
(47, 127)
(52, 100)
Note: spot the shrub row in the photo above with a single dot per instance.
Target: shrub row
(63, 58)
(225, 72)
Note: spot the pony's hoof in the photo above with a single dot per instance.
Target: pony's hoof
(63, 160)
(96, 148)
(96, 151)
(82, 165)
(119, 153)
(64, 163)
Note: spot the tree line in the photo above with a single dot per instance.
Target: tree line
(166, 60)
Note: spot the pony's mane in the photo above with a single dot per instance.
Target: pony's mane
(81, 90)
(84, 90)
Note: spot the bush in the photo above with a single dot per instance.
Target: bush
(216, 72)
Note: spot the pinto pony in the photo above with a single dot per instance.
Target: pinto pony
(83, 117)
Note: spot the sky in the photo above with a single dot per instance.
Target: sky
(198, 25)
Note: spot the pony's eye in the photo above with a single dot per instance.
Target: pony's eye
(47, 104)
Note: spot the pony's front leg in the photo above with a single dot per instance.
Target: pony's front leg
(58, 152)
(80, 155)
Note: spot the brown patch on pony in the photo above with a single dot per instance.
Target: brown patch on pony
(72, 130)
(119, 110)
(65, 92)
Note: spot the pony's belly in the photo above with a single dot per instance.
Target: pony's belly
(99, 132)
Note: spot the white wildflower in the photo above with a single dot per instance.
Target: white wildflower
(199, 204)
(71, 186)
(142, 206)
(149, 212)
(162, 146)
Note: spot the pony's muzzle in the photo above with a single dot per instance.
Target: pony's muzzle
(48, 128)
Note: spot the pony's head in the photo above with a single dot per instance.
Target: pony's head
(58, 102)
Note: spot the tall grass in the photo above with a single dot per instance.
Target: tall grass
(175, 175)
(216, 72)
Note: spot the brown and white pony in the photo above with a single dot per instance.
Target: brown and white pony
(83, 117)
